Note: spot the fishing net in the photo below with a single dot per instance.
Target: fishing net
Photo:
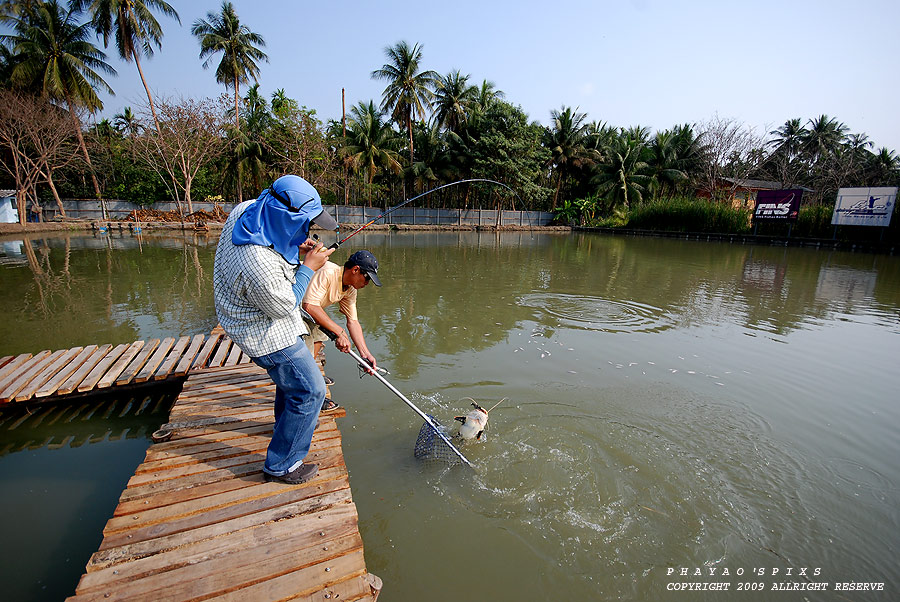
(430, 446)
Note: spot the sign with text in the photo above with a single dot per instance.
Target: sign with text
(778, 204)
(864, 206)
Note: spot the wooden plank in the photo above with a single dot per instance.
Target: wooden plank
(172, 359)
(342, 518)
(9, 371)
(51, 386)
(73, 381)
(234, 356)
(5, 360)
(48, 373)
(245, 359)
(207, 350)
(187, 359)
(100, 369)
(155, 360)
(137, 363)
(25, 374)
(113, 373)
(221, 353)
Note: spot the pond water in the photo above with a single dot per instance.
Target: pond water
(672, 407)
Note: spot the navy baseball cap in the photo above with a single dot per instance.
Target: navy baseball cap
(367, 263)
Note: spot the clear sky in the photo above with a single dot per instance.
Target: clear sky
(654, 63)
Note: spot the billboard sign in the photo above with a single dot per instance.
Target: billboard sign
(778, 204)
(864, 206)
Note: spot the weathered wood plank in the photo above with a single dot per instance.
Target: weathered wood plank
(172, 359)
(49, 371)
(5, 360)
(221, 353)
(188, 358)
(79, 375)
(12, 370)
(119, 367)
(303, 529)
(29, 370)
(155, 360)
(206, 351)
(234, 356)
(11, 364)
(52, 385)
(102, 366)
(137, 363)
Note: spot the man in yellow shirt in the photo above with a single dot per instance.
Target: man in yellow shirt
(335, 284)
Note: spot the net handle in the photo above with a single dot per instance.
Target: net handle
(394, 390)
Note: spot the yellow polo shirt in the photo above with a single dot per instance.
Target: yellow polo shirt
(325, 289)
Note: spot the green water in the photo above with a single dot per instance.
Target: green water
(672, 406)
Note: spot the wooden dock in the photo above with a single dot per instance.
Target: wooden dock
(197, 521)
(47, 375)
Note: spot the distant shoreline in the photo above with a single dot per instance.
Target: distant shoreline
(126, 226)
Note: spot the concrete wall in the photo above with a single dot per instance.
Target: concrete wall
(345, 214)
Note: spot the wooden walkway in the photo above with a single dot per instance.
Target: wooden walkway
(85, 370)
(197, 521)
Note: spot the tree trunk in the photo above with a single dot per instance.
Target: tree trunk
(137, 62)
(87, 157)
(556, 195)
(62, 210)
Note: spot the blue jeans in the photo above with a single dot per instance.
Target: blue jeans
(299, 393)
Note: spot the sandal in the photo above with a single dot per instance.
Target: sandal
(329, 405)
(328, 381)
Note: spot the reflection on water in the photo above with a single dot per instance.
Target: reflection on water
(62, 468)
(671, 403)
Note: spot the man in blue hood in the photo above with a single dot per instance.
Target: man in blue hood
(258, 283)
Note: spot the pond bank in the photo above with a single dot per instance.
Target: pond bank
(126, 226)
(887, 248)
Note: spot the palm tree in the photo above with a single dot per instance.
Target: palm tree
(664, 162)
(620, 177)
(135, 28)
(127, 122)
(565, 139)
(408, 92)
(824, 136)
(57, 59)
(487, 94)
(370, 142)
(454, 100)
(224, 33)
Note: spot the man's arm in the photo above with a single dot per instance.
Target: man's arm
(322, 318)
(356, 333)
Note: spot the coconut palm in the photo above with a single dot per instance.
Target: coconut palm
(409, 91)
(127, 122)
(620, 177)
(823, 136)
(369, 143)
(224, 33)
(135, 28)
(454, 100)
(56, 58)
(487, 94)
(664, 162)
(565, 138)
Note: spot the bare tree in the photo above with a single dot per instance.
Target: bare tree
(731, 153)
(298, 145)
(190, 136)
(39, 138)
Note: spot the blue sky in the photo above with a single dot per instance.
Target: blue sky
(655, 63)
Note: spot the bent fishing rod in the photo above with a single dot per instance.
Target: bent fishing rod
(407, 201)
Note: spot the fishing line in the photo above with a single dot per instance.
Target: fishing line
(407, 201)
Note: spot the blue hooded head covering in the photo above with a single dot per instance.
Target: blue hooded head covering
(281, 216)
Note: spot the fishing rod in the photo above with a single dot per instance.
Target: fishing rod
(407, 201)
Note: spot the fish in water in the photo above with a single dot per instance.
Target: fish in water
(475, 422)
